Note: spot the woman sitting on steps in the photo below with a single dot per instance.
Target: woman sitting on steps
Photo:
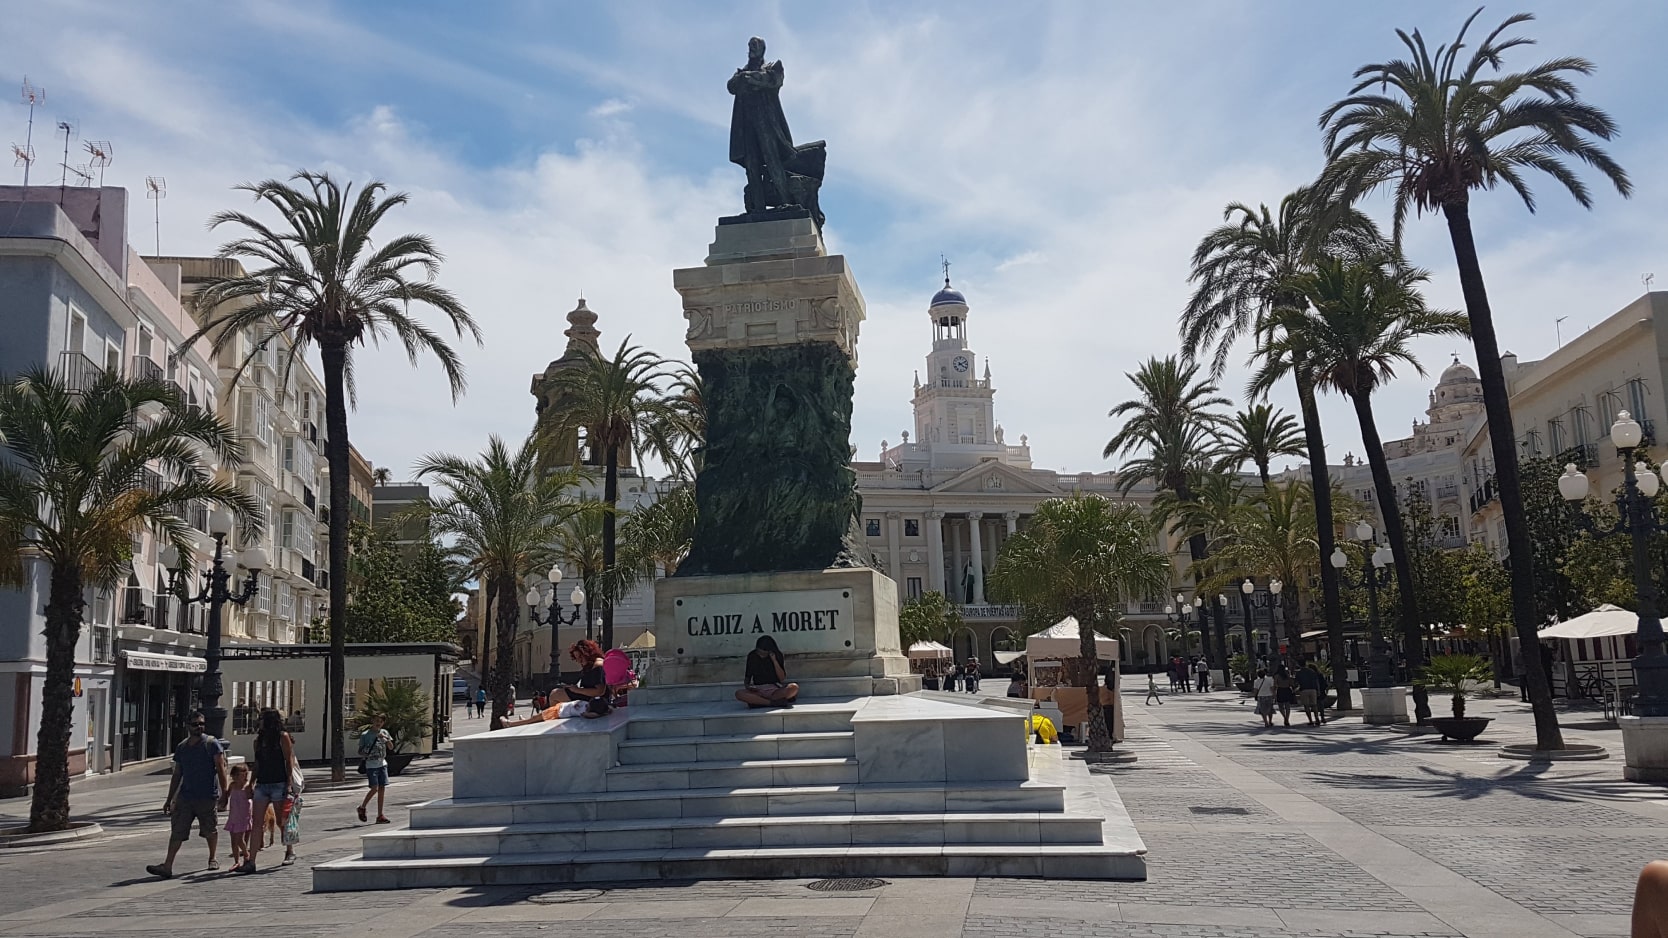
(767, 677)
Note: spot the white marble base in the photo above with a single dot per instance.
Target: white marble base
(1645, 748)
(1382, 706)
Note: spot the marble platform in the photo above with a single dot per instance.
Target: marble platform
(896, 785)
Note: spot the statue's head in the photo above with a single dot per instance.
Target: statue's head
(755, 51)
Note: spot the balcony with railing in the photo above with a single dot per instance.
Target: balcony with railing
(1484, 495)
(77, 371)
(143, 369)
(1647, 427)
(1582, 455)
(104, 644)
(1448, 490)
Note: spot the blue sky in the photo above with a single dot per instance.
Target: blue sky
(1065, 156)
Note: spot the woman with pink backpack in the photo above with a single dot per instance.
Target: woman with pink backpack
(603, 682)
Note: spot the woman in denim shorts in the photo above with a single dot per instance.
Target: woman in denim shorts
(274, 758)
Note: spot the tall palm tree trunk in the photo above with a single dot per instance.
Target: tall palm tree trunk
(334, 356)
(508, 617)
(1412, 640)
(49, 800)
(1320, 480)
(1497, 405)
(611, 495)
(1098, 737)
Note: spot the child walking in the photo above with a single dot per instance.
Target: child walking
(1152, 691)
(240, 813)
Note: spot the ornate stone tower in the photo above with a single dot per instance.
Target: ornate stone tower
(953, 406)
(582, 337)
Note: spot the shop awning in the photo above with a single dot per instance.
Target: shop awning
(150, 661)
(929, 650)
(1603, 622)
(1061, 639)
(1008, 657)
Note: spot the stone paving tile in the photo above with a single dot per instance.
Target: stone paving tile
(1054, 928)
(1216, 868)
(1547, 871)
(1432, 796)
(820, 927)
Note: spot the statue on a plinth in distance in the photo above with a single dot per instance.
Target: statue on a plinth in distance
(779, 174)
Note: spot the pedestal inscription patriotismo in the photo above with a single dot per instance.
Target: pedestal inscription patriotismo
(731, 623)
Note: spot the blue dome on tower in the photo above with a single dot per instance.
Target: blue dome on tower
(949, 296)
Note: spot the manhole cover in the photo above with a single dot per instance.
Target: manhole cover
(561, 896)
(855, 884)
(1216, 809)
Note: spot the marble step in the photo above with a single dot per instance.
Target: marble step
(1124, 861)
(734, 719)
(841, 830)
(893, 798)
(755, 747)
(818, 688)
(761, 774)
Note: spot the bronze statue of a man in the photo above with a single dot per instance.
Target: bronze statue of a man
(759, 137)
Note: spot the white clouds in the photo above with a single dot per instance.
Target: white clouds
(1066, 161)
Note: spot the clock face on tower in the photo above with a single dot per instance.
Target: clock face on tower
(960, 363)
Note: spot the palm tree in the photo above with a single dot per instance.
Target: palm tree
(1172, 424)
(322, 281)
(381, 475)
(1083, 556)
(655, 538)
(1239, 269)
(577, 546)
(1273, 535)
(1208, 511)
(81, 473)
(619, 405)
(1436, 130)
(1363, 317)
(1256, 435)
(502, 512)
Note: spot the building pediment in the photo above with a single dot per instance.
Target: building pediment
(992, 477)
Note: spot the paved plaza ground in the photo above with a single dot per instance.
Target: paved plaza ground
(1343, 830)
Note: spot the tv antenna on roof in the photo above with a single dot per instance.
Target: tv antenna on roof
(67, 128)
(83, 174)
(1647, 280)
(26, 154)
(156, 189)
(101, 154)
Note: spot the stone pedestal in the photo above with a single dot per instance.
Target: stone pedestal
(1645, 748)
(1382, 706)
(837, 623)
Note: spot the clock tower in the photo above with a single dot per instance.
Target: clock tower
(953, 405)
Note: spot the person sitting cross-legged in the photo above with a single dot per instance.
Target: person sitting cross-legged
(767, 677)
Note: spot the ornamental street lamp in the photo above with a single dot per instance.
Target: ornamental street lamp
(1638, 520)
(1177, 615)
(216, 593)
(1375, 573)
(539, 599)
(1247, 589)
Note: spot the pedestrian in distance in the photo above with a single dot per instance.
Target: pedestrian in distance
(1152, 691)
(196, 788)
(1308, 693)
(970, 675)
(374, 744)
(1285, 694)
(1263, 688)
(1201, 668)
(274, 767)
(480, 701)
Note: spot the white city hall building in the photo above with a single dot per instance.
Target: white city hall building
(938, 506)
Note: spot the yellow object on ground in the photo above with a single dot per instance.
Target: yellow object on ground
(1044, 727)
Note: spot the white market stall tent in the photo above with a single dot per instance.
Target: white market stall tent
(1044, 653)
(931, 659)
(1592, 657)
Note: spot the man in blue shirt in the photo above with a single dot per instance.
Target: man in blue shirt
(197, 789)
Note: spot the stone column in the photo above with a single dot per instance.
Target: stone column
(1012, 518)
(935, 550)
(956, 593)
(975, 521)
(894, 562)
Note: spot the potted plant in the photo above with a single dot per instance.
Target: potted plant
(1240, 666)
(1454, 675)
(406, 716)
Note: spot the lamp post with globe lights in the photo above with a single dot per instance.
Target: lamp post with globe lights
(1248, 589)
(1375, 574)
(539, 597)
(216, 592)
(1636, 518)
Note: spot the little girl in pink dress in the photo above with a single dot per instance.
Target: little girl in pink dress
(240, 813)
